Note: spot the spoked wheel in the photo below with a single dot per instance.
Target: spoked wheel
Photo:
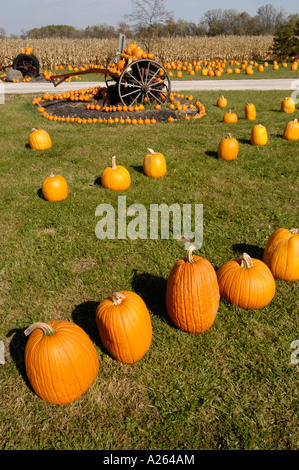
(144, 81)
(28, 65)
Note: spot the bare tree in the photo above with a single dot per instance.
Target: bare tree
(145, 18)
(270, 18)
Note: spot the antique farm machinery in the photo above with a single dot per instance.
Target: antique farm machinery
(129, 79)
(26, 62)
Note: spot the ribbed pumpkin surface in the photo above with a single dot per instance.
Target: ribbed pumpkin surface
(281, 254)
(61, 366)
(192, 295)
(125, 329)
(247, 287)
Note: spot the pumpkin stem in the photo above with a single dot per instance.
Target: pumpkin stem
(189, 254)
(33, 129)
(246, 261)
(294, 231)
(151, 151)
(47, 329)
(117, 298)
(113, 165)
(229, 136)
(51, 175)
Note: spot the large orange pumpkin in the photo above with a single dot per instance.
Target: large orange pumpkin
(124, 326)
(230, 117)
(291, 130)
(154, 164)
(250, 112)
(228, 148)
(61, 361)
(281, 254)
(259, 135)
(246, 282)
(39, 139)
(287, 105)
(192, 293)
(55, 188)
(116, 177)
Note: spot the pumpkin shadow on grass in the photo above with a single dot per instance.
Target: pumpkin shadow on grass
(17, 350)
(152, 289)
(212, 153)
(40, 194)
(84, 315)
(98, 181)
(138, 168)
(245, 141)
(253, 251)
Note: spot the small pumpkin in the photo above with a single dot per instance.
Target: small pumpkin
(55, 188)
(154, 164)
(222, 102)
(116, 177)
(192, 293)
(250, 112)
(287, 105)
(124, 326)
(291, 131)
(61, 361)
(259, 135)
(246, 282)
(39, 139)
(281, 254)
(230, 117)
(228, 148)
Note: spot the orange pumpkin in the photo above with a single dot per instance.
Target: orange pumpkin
(246, 282)
(230, 117)
(287, 105)
(39, 139)
(228, 148)
(281, 254)
(124, 326)
(61, 361)
(259, 135)
(250, 112)
(291, 131)
(116, 177)
(192, 293)
(55, 188)
(154, 164)
(222, 102)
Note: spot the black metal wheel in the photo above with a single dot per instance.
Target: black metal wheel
(28, 65)
(144, 81)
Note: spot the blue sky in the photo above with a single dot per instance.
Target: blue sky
(27, 14)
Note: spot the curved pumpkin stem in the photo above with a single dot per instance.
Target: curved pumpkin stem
(246, 261)
(33, 129)
(47, 329)
(113, 165)
(151, 151)
(294, 231)
(229, 136)
(117, 298)
(189, 254)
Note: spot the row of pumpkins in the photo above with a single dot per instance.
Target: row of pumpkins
(61, 360)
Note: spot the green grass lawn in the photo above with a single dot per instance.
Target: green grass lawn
(232, 387)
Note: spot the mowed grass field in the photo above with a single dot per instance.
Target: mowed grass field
(233, 387)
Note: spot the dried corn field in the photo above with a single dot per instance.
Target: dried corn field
(76, 52)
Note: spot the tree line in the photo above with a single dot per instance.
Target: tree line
(267, 20)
